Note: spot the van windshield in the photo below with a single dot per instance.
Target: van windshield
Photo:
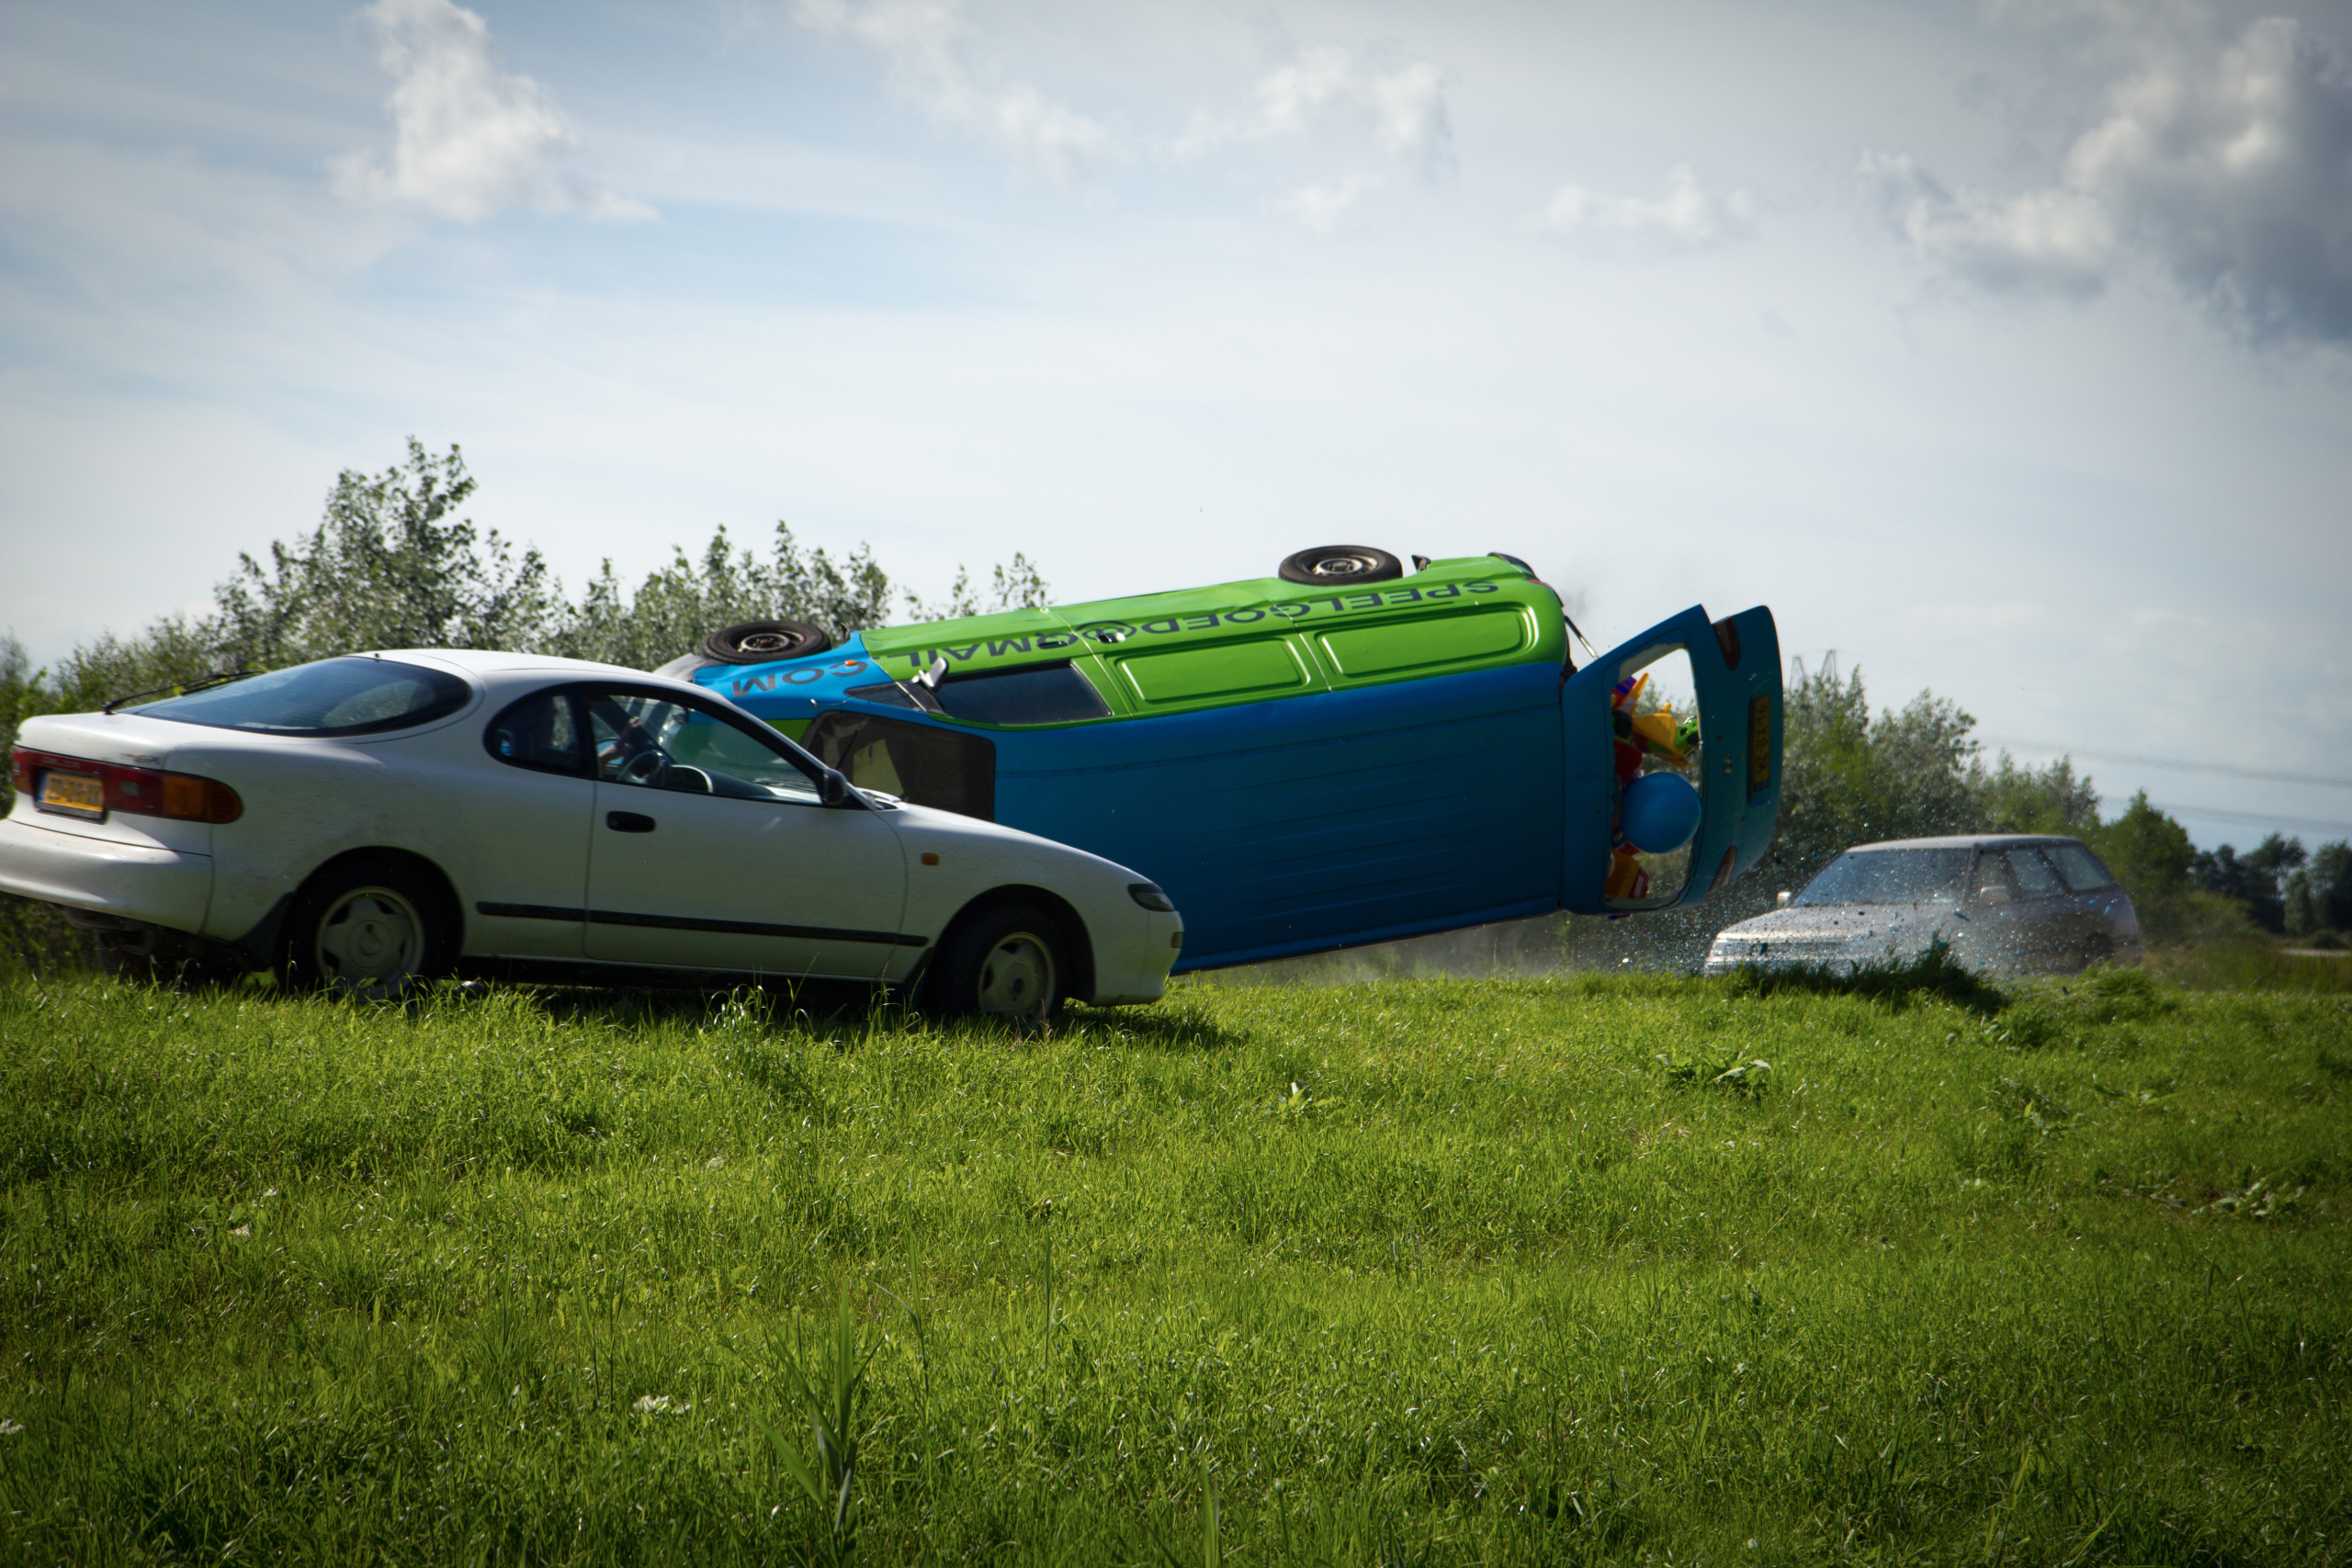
(334, 697)
(1891, 877)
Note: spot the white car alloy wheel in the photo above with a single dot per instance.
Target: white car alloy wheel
(369, 942)
(1017, 978)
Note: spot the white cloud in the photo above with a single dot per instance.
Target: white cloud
(1321, 207)
(2228, 164)
(468, 138)
(1687, 217)
(1404, 110)
(920, 40)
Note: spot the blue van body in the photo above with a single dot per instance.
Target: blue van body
(1335, 818)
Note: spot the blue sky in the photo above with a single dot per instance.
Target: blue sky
(2006, 349)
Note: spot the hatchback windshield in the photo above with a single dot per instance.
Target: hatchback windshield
(1891, 877)
(334, 697)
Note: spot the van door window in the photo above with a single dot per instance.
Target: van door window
(1653, 718)
(920, 763)
(1036, 693)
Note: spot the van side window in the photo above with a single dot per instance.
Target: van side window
(540, 733)
(920, 763)
(1037, 693)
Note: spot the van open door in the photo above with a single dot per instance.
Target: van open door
(1729, 670)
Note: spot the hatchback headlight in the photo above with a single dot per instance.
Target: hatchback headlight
(1150, 897)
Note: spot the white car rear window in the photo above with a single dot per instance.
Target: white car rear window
(334, 697)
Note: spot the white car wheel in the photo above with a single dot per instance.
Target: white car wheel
(371, 943)
(371, 931)
(1017, 978)
(1006, 962)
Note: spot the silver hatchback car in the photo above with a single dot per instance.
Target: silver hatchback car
(2009, 904)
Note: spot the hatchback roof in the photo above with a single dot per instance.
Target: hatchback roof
(1968, 841)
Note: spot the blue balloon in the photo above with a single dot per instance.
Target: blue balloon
(1659, 812)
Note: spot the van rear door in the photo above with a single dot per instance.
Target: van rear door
(1734, 666)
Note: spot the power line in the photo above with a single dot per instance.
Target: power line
(2253, 819)
(2266, 774)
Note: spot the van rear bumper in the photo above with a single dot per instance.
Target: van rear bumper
(132, 882)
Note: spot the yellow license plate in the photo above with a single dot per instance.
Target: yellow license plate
(77, 794)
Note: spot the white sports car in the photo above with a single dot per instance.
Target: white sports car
(366, 822)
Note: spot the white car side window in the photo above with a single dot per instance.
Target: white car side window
(657, 744)
(540, 733)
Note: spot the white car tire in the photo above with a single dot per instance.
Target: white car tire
(1011, 962)
(371, 929)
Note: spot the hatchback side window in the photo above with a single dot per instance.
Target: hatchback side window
(2081, 868)
(654, 743)
(2034, 874)
(1994, 883)
(541, 733)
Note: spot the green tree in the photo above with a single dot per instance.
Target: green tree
(1849, 779)
(20, 686)
(2256, 880)
(388, 565)
(394, 563)
(2050, 799)
(2319, 897)
(2151, 854)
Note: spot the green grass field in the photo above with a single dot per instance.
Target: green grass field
(1513, 1271)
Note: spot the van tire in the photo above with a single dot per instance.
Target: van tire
(766, 642)
(1341, 566)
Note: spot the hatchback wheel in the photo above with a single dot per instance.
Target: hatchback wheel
(1007, 963)
(373, 929)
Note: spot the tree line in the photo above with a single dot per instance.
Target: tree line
(1850, 778)
(393, 564)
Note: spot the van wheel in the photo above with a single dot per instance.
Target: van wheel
(764, 642)
(373, 929)
(1005, 963)
(1337, 565)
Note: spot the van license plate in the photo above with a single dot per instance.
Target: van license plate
(75, 795)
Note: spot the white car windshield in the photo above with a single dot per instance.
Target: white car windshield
(1891, 877)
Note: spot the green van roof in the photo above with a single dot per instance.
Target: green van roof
(1250, 641)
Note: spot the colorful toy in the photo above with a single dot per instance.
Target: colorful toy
(1659, 812)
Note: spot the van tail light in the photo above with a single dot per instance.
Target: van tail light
(142, 792)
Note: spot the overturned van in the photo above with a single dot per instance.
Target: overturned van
(1343, 754)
